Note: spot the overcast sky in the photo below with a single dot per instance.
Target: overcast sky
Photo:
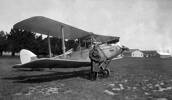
(143, 24)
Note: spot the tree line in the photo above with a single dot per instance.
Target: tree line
(19, 39)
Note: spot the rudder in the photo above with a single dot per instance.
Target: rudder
(27, 56)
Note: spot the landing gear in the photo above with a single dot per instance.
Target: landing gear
(105, 73)
(104, 70)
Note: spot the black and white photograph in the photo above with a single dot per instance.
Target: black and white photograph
(85, 49)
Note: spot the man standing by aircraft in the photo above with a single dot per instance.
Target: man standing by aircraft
(96, 57)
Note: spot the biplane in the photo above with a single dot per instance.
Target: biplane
(109, 45)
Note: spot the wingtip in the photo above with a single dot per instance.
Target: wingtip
(16, 66)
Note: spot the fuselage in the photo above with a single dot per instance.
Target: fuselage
(110, 50)
(74, 59)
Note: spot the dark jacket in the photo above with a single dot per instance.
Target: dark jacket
(96, 56)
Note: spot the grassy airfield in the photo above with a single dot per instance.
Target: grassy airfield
(131, 79)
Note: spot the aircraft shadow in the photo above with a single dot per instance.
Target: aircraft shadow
(49, 77)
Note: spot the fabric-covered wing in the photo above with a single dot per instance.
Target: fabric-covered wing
(54, 63)
(101, 38)
(47, 26)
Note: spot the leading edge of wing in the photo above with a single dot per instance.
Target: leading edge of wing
(54, 63)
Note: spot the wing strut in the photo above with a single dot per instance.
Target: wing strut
(80, 48)
(63, 41)
(49, 46)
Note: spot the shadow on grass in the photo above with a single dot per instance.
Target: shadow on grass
(49, 77)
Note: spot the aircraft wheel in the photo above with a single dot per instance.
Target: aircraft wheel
(106, 73)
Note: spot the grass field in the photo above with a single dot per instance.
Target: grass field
(131, 79)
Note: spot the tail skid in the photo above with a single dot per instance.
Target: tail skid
(27, 56)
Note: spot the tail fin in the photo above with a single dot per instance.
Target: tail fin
(27, 56)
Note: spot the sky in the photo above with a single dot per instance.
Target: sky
(142, 24)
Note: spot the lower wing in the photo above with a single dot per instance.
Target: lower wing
(53, 63)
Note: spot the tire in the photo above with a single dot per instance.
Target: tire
(106, 73)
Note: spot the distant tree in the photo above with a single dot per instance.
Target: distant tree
(41, 46)
(3, 42)
(56, 45)
(20, 39)
(70, 44)
(38, 47)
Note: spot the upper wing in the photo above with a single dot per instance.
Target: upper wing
(100, 38)
(51, 27)
(47, 26)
